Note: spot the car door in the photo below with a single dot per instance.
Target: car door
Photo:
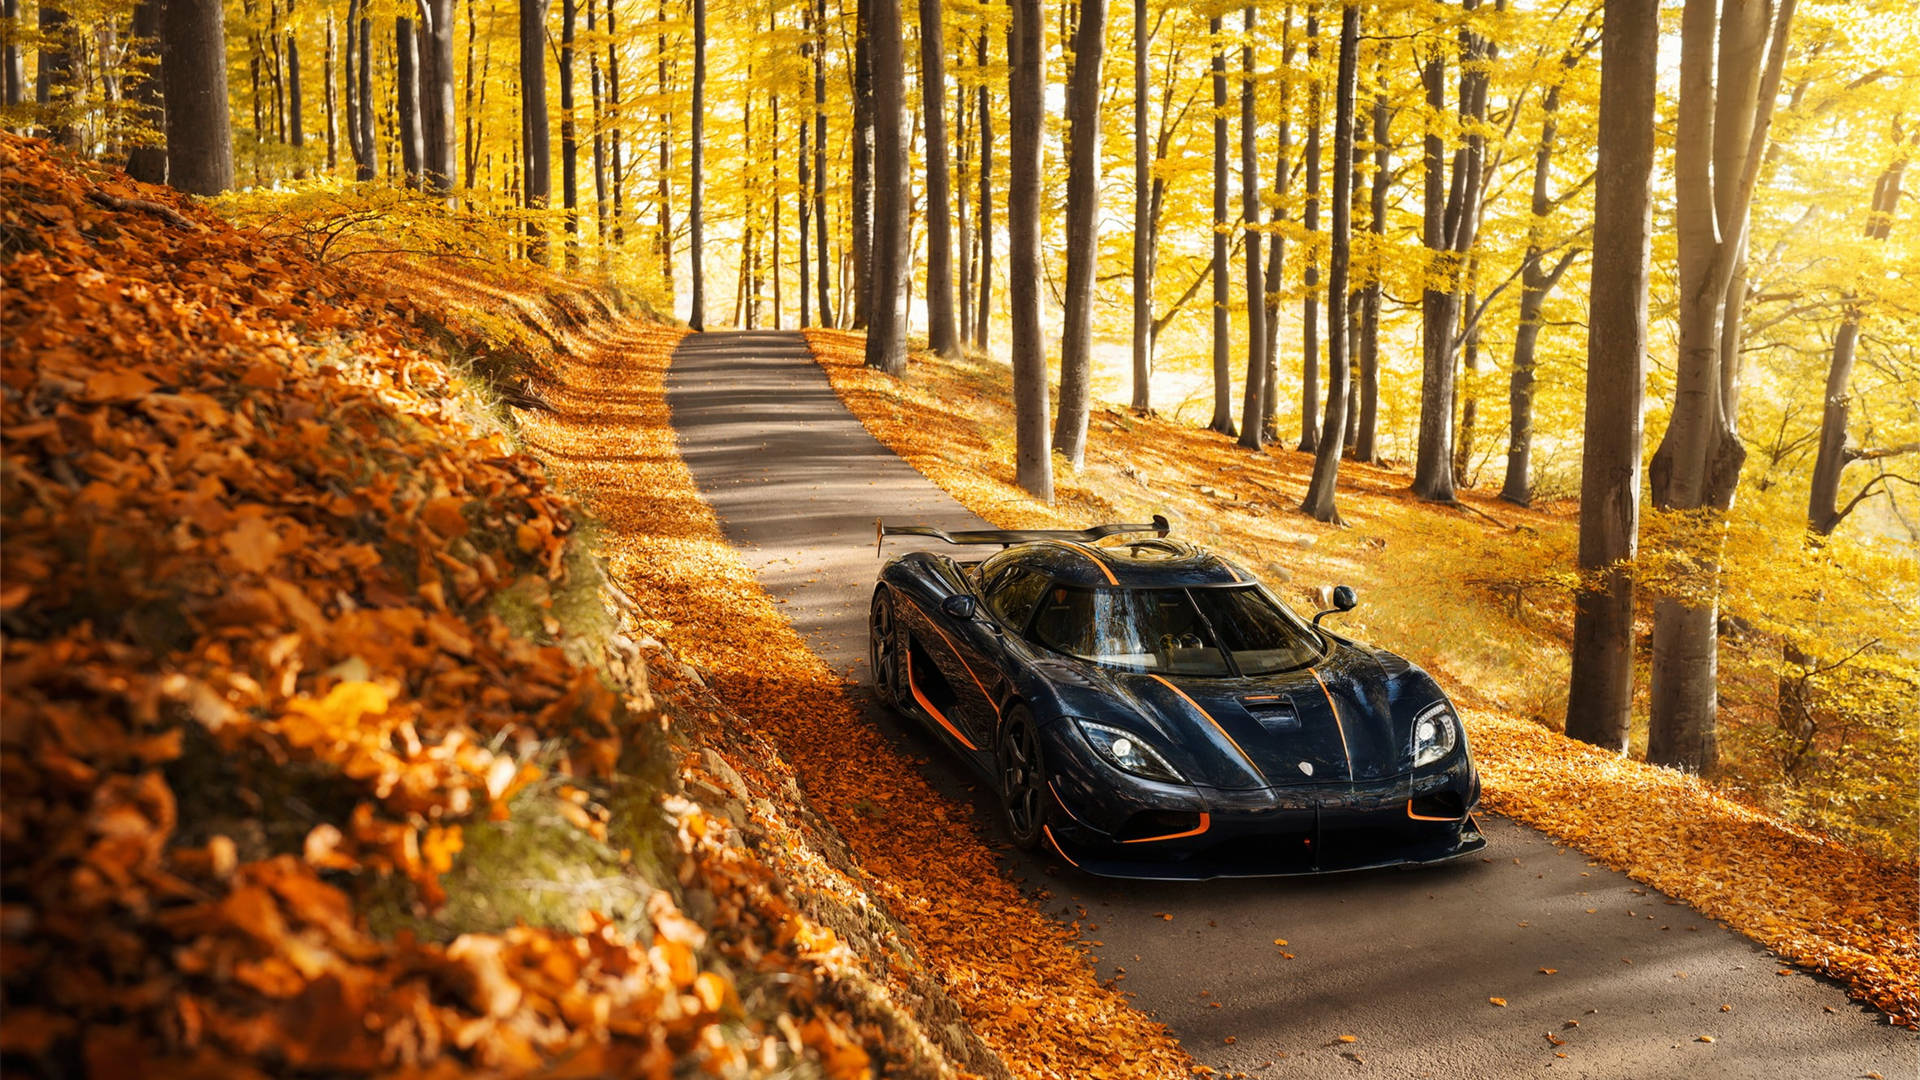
(991, 641)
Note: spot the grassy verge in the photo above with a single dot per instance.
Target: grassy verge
(1425, 575)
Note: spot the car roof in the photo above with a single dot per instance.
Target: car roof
(1155, 562)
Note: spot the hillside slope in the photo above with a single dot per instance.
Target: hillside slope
(327, 745)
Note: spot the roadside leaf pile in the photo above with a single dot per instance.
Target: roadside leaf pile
(1018, 978)
(258, 678)
(1843, 912)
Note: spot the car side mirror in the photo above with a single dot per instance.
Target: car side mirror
(958, 606)
(1343, 598)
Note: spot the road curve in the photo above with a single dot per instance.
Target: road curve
(1392, 973)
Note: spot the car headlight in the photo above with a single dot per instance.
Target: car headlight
(1125, 751)
(1436, 731)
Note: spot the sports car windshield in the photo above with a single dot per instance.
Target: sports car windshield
(1209, 631)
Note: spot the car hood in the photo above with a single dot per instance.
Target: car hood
(1346, 719)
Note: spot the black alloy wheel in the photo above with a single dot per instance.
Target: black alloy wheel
(1023, 779)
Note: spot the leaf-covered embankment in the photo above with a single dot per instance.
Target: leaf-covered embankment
(1822, 904)
(325, 745)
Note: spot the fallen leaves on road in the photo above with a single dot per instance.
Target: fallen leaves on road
(1498, 1002)
(1838, 911)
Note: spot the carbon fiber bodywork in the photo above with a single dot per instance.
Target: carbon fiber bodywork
(1307, 770)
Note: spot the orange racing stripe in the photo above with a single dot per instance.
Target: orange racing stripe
(1423, 817)
(957, 655)
(1056, 845)
(1206, 822)
(1216, 724)
(1342, 728)
(933, 712)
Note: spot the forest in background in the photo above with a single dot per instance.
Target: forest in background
(1378, 219)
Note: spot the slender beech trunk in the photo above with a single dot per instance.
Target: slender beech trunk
(13, 64)
(363, 99)
(1222, 286)
(296, 105)
(983, 307)
(332, 95)
(963, 193)
(1251, 432)
(194, 65)
(1326, 460)
(1600, 691)
(436, 96)
(1310, 219)
(1026, 100)
(536, 160)
(889, 268)
(862, 194)
(1536, 281)
(1083, 236)
(406, 87)
(1142, 221)
(820, 157)
(696, 191)
(352, 84)
(1277, 245)
(147, 162)
(804, 201)
(1449, 228)
(595, 90)
(1467, 388)
(1366, 445)
(569, 137)
(663, 225)
(943, 336)
(1726, 105)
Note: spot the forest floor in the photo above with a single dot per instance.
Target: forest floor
(328, 746)
(1433, 583)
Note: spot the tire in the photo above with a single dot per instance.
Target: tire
(1022, 779)
(886, 660)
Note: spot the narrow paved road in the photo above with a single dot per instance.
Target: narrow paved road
(1404, 962)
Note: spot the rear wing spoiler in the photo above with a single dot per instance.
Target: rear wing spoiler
(1159, 526)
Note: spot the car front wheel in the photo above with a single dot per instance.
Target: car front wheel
(884, 658)
(1023, 779)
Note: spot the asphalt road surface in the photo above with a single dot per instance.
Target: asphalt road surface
(1391, 971)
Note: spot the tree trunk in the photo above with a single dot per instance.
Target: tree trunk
(595, 90)
(1222, 285)
(1726, 105)
(963, 194)
(943, 336)
(1026, 90)
(296, 125)
(363, 99)
(1083, 236)
(436, 95)
(569, 138)
(193, 59)
(1366, 446)
(983, 306)
(820, 156)
(53, 76)
(352, 85)
(146, 162)
(696, 166)
(862, 193)
(332, 97)
(804, 200)
(1310, 219)
(1467, 389)
(889, 267)
(406, 87)
(1600, 689)
(1143, 275)
(535, 138)
(1251, 432)
(1277, 245)
(1326, 459)
(13, 64)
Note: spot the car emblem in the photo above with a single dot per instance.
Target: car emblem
(1307, 767)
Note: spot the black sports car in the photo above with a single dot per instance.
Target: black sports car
(1147, 709)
